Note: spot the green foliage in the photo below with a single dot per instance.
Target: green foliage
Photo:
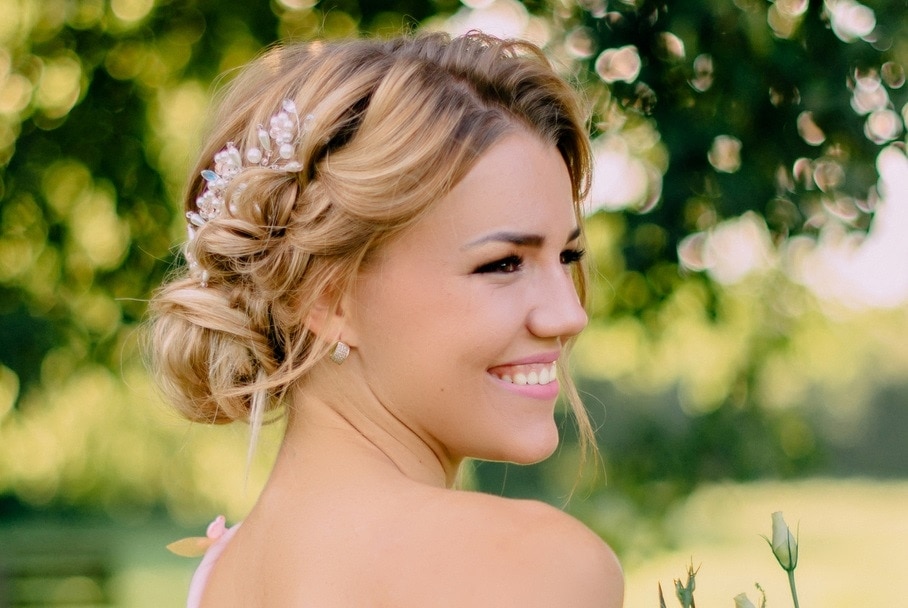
(781, 538)
(758, 107)
(745, 113)
(101, 102)
(100, 105)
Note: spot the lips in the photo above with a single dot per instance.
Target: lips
(526, 373)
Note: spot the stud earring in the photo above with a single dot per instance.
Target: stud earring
(340, 352)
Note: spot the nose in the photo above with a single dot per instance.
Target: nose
(558, 312)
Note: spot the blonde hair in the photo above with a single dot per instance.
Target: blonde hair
(394, 126)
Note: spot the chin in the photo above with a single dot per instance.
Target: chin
(531, 449)
(534, 457)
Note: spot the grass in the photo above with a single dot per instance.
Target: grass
(853, 545)
(853, 548)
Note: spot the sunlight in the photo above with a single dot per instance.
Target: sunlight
(622, 64)
(862, 272)
(131, 10)
(720, 528)
(859, 271)
(60, 85)
(504, 18)
(623, 175)
(725, 154)
(784, 17)
(97, 229)
(15, 90)
(850, 20)
(731, 250)
(9, 390)
(619, 179)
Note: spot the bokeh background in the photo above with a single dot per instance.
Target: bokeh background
(748, 227)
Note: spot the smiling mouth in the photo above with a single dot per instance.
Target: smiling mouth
(535, 373)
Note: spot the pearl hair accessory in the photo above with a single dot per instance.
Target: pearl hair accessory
(276, 150)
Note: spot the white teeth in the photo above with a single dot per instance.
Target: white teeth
(543, 376)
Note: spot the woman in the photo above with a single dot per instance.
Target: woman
(386, 244)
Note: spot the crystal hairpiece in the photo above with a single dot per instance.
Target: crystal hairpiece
(276, 150)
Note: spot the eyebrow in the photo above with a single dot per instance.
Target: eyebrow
(517, 238)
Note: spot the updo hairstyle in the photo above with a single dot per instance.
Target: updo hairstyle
(391, 127)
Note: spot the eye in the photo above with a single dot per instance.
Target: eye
(572, 256)
(506, 265)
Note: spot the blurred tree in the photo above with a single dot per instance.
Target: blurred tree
(778, 108)
(706, 113)
(99, 104)
(722, 129)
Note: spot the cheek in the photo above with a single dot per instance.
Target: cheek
(413, 304)
(401, 324)
(435, 331)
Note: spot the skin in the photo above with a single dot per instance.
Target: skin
(359, 509)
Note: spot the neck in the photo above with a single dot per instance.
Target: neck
(339, 419)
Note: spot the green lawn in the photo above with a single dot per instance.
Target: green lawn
(853, 551)
(80, 562)
(853, 545)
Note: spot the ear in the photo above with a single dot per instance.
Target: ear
(328, 318)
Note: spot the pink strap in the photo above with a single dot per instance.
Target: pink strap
(218, 532)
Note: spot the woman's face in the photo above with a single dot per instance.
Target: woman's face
(457, 324)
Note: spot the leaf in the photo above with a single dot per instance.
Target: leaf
(194, 546)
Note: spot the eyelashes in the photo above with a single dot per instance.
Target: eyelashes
(505, 265)
(512, 263)
(572, 256)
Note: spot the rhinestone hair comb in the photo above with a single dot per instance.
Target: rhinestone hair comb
(276, 150)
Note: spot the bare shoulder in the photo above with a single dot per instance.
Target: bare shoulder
(527, 553)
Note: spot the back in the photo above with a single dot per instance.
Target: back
(418, 547)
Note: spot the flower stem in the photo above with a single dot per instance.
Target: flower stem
(794, 591)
